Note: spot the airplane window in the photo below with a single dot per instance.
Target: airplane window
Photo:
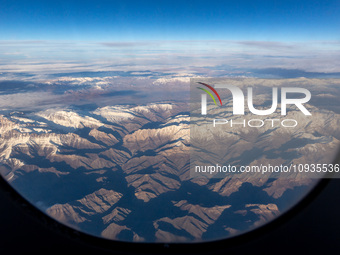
(139, 128)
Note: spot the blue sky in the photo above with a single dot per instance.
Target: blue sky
(58, 36)
(170, 20)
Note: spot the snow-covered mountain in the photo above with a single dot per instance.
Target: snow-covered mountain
(123, 172)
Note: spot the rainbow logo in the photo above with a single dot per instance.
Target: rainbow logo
(209, 93)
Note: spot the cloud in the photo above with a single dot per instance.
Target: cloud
(21, 42)
(127, 44)
(293, 73)
(43, 58)
(269, 45)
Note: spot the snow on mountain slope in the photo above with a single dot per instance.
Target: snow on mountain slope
(106, 168)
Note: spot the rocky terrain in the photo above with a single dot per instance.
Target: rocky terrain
(123, 172)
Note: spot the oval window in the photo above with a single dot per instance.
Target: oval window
(151, 135)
